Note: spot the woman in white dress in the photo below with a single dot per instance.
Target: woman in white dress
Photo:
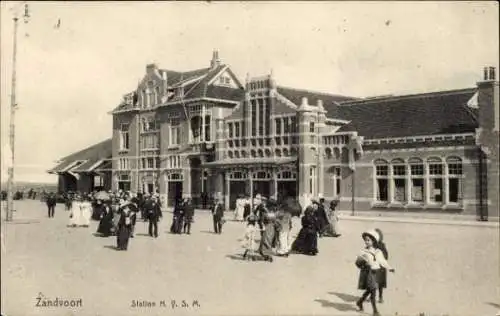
(240, 208)
(86, 212)
(75, 214)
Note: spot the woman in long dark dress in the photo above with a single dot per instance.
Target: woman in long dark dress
(124, 227)
(307, 240)
(266, 215)
(106, 223)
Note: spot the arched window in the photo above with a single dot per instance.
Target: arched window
(260, 153)
(328, 152)
(399, 179)
(277, 153)
(236, 154)
(382, 180)
(285, 152)
(455, 173)
(417, 180)
(230, 154)
(253, 153)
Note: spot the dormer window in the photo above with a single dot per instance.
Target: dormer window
(224, 80)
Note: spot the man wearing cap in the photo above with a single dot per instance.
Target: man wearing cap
(218, 213)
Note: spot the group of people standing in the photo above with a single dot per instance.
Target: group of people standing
(183, 216)
(273, 219)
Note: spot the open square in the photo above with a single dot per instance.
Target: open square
(440, 270)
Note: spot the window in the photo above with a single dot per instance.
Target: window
(149, 141)
(175, 133)
(123, 164)
(286, 125)
(399, 178)
(237, 130)
(261, 116)
(230, 128)
(158, 95)
(207, 128)
(278, 126)
(435, 180)
(417, 180)
(174, 162)
(311, 127)
(455, 172)
(312, 180)
(124, 137)
(293, 124)
(337, 181)
(382, 180)
(253, 106)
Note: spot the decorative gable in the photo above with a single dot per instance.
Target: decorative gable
(225, 79)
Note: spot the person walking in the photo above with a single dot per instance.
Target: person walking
(369, 262)
(51, 204)
(188, 215)
(154, 215)
(218, 214)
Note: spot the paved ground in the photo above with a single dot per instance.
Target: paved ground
(440, 269)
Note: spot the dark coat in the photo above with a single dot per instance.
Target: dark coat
(154, 211)
(189, 210)
(218, 210)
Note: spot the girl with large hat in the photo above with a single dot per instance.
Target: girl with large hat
(369, 261)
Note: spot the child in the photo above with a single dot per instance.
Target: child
(250, 234)
(369, 261)
(382, 276)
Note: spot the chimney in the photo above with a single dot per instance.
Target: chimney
(215, 62)
(488, 101)
(150, 68)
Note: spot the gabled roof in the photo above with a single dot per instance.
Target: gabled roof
(443, 112)
(296, 95)
(197, 85)
(89, 156)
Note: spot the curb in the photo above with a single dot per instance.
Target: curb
(422, 221)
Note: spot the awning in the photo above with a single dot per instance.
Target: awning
(249, 162)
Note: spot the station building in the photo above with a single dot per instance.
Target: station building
(203, 131)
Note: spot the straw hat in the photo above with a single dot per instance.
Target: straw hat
(372, 234)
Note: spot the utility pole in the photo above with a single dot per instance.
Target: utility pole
(12, 124)
(12, 129)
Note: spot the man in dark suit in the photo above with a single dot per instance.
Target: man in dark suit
(218, 214)
(188, 215)
(154, 215)
(51, 204)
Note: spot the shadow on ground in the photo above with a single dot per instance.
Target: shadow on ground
(494, 304)
(111, 247)
(345, 297)
(342, 307)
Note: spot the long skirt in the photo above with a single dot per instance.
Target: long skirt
(266, 240)
(306, 242)
(105, 225)
(284, 242)
(122, 237)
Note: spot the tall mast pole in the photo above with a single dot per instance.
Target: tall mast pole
(12, 129)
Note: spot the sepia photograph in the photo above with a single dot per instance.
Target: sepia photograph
(250, 158)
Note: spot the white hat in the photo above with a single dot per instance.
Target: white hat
(372, 234)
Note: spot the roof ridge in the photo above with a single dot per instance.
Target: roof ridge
(89, 147)
(312, 91)
(404, 96)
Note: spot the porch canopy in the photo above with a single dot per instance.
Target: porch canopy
(269, 161)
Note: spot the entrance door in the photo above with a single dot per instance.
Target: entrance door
(235, 188)
(174, 192)
(150, 188)
(287, 189)
(262, 187)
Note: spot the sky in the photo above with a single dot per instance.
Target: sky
(71, 76)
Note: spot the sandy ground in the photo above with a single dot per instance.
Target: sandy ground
(440, 270)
